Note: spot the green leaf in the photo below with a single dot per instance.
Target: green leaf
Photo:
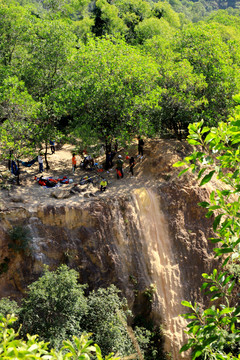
(216, 296)
(186, 347)
(231, 287)
(217, 221)
(196, 354)
(223, 250)
(183, 171)
(215, 240)
(207, 178)
(201, 172)
(179, 163)
(204, 285)
(204, 204)
(186, 303)
(209, 214)
(210, 340)
(194, 142)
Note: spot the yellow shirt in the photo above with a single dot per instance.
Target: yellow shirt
(103, 183)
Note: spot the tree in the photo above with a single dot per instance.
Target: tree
(203, 46)
(49, 48)
(107, 320)
(183, 99)
(106, 20)
(214, 332)
(54, 306)
(151, 27)
(17, 112)
(132, 12)
(112, 93)
(13, 27)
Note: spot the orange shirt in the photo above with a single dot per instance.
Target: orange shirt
(74, 161)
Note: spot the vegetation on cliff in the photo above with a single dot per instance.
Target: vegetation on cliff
(58, 308)
(214, 332)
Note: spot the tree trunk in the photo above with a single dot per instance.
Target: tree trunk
(18, 174)
(9, 161)
(45, 156)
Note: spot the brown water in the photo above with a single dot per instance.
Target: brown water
(163, 270)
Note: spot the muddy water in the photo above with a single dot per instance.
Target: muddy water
(163, 269)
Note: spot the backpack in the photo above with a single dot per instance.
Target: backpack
(119, 163)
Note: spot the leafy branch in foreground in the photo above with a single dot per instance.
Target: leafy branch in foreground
(11, 347)
(214, 333)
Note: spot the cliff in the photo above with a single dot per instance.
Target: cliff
(146, 235)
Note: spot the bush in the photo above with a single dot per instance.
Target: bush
(8, 306)
(20, 239)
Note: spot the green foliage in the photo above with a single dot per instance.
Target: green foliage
(11, 347)
(54, 306)
(210, 55)
(8, 306)
(20, 239)
(107, 320)
(149, 292)
(214, 332)
(17, 112)
(113, 92)
(52, 67)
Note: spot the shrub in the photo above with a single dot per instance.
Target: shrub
(20, 239)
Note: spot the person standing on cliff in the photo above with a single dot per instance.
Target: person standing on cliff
(131, 164)
(74, 163)
(140, 146)
(119, 167)
(40, 162)
(52, 146)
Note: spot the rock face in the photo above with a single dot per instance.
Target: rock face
(151, 243)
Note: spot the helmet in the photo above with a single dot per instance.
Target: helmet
(119, 156)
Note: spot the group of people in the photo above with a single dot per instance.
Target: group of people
(119, 167)
(89, 162)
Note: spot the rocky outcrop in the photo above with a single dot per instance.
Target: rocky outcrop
(151, 242)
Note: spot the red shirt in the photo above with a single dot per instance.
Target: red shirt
(74, 161)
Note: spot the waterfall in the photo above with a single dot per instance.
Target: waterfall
(163, 269)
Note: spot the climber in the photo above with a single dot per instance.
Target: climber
(103, 185)
(119, 167)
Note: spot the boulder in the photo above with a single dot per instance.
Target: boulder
(60, 194)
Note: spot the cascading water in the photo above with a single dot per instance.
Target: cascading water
(36, 241)
(163, 269)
